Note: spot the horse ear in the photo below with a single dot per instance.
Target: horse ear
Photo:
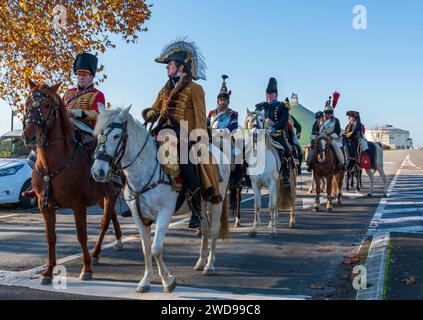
(248, 111)
(31, 83)
(56, 87)
(124, 114)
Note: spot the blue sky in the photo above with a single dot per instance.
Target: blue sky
(311, 47)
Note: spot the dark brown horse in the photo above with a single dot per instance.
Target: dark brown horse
(62, 175)
(324, 165)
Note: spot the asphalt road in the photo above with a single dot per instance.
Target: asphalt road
(304, 262)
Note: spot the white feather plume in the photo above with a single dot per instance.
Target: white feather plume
(184, 42)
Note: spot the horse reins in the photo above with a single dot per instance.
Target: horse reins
(37, 99)
(114, 161)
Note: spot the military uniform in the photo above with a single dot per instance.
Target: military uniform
(83, 106)
(315, 131)
(223, 118)
(181, 99)
(278, 113)
(355, 132)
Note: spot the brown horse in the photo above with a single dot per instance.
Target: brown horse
(62, 175)
(324, 165)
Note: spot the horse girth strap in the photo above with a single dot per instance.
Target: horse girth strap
(136, 196)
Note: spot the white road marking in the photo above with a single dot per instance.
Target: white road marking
(404, 210)
(376, 261)
(9, 216)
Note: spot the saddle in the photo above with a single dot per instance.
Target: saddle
(355, 154)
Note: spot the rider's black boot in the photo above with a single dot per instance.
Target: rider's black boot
(286, 175)
(194, 201)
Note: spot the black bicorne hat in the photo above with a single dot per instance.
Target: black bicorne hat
(318, 115)
(87, 62)
(272, 87)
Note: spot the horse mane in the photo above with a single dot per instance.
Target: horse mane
(67, 126)
(106, 117)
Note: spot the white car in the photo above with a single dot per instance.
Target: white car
(15, 173)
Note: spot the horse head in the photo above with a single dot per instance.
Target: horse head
(322, 145)
(42, 108)
(111, 133)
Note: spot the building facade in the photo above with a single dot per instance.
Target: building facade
(390, 136)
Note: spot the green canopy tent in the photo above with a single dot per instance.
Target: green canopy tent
(305, 117)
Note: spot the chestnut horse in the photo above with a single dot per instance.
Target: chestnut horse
(324, 165)
(62, 175)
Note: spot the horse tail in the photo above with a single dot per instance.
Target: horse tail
(224, 219)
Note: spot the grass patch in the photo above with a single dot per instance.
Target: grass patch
(387, 266)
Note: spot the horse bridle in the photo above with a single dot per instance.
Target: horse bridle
(37, 98)
(100, 151)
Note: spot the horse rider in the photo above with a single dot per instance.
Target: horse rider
(294, 138)
(181, 99)
(315, 131)
(83, 104)
(354, 132)
(277, 117)
(223, 117)
(331, 129)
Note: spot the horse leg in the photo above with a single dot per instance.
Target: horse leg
(370, 173)
(202, 260)
(385, 186)
(105, 222)
(257, 208)
(215, 211)
(49, 215)
(145, 283)
(80, 215)
(348, 181)
(311, 190)
(273, 208)
(238, 208)
(316, 206)
(162, 225)
(329, 183)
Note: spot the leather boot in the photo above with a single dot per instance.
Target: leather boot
(29, 194)
(194, 202)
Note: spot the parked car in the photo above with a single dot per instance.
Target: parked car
(15, 173)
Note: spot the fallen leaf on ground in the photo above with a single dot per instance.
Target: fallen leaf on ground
(316, 287)
(410, 281)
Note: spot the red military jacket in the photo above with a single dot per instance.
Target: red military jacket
(87, 100)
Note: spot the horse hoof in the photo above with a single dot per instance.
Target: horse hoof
(46, 281)
(369, 194)
(291, 225)
(118, 247)
(85, 276)
(199, 267)
(209, 272)
(385, 195)
(143, 289)
(95, 261)
(316, 209)
(328, 210)
(170, 288)
(199, 233)
(253, 234)
(237, 224)
(272, 235)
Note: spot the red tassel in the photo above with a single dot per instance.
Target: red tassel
(336, 96)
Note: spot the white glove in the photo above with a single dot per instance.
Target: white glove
(76, 113)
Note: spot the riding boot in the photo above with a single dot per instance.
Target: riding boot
(29, 194)
(194, 202)
(286, 173)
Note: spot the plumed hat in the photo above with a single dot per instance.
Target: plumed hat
(272, 87)
(224, 93)
(187, 53)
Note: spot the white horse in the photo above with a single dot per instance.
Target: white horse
(121, 136)
(378, 166)
(279, 197)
